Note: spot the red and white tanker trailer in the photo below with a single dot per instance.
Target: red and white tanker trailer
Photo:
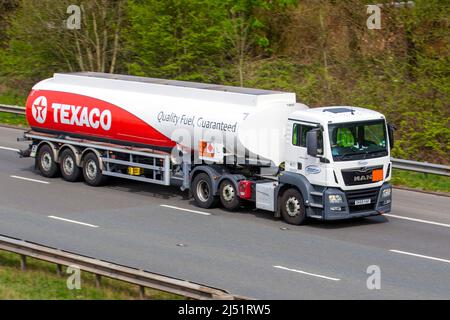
(225, 144)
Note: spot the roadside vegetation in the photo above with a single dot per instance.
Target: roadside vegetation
(422, 181)
(13, 119)
(320, 49)
(41, 282)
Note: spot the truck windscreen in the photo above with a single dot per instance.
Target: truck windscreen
(358, 140)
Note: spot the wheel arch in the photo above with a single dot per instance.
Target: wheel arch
(214, 172)
(76, 151)
(289, 180)
(52, 146)
(96, 152)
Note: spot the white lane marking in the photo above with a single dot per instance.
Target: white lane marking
(420, 256)
(417, 220)
(307, 273)
(31, 180)
(188, 210)
(73, 221)
(9, 149)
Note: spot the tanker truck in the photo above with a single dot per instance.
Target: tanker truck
(222, 144)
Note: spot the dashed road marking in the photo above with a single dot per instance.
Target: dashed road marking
(31, 180)
(418, 220)
(73, 221)
(420, 256)
(307, 273)
(188, 210)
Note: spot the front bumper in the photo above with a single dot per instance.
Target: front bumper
(350, 208)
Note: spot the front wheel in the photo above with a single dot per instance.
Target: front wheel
(203, 191)
(292, 207)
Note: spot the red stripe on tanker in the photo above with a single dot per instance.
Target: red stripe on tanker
(87, 116)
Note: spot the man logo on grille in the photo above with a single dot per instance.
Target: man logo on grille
(39, 109)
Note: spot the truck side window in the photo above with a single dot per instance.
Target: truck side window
(299, 132)
(295, 134)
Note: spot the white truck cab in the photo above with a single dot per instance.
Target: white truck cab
(339, 159)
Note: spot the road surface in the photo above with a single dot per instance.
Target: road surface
(248, 253)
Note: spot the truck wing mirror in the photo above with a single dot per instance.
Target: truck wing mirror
(391, 129)
(312, 138)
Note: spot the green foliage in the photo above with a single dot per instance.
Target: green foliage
(321, 50)
(176, 39)
(13, 119)
(41, 282)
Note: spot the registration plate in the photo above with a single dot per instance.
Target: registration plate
(33, 151)
(362, 201)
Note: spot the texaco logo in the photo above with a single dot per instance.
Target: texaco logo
(39, 109)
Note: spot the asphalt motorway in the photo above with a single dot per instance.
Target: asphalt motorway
(248, 253)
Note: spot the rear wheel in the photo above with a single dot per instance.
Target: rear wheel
(92, 172)
(68, 165)
(203, 191)
(45, 162)
(229, 196)
(292, 207)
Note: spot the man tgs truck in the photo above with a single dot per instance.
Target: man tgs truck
(224, 144)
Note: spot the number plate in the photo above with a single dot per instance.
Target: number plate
(33, 151)
(362, 201)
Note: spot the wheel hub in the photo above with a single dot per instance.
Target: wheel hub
(91, 169)
(228, 193)
(203, 191)
(293, 207)
(46, 161)
(68, 165)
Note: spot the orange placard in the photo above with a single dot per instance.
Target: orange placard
(205, 149)
(377, 175)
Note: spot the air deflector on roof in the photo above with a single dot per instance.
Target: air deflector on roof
(338, 110)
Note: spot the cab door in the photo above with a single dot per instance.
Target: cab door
(298, 160)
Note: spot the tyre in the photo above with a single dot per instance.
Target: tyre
(229, 195)
(292, 207)
(68, 166)
(45, 162)
(203, 191)
(92, 172)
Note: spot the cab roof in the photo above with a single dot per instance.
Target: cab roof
(337, 114)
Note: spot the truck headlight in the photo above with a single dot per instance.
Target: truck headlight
(386, 193)
(335, 198)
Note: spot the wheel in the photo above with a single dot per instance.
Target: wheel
(45, 162)
(68, 166)
(229, 195)
(91, 170)
(293, 207)
(202, 190)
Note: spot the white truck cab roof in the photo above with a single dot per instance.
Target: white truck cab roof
(336, 114)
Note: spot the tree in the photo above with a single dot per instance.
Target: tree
(40, 42)
(176, 39)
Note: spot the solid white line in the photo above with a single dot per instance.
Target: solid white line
(420, 256)
(417, 220)
(307, 273)
(188, 210)
(9, 149)
(28, 179)
(73, 221)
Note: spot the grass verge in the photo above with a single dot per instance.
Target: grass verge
(13, 119)
(40, 282)
(421, 181)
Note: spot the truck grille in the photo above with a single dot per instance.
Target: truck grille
(358, 176)
(354, 195)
